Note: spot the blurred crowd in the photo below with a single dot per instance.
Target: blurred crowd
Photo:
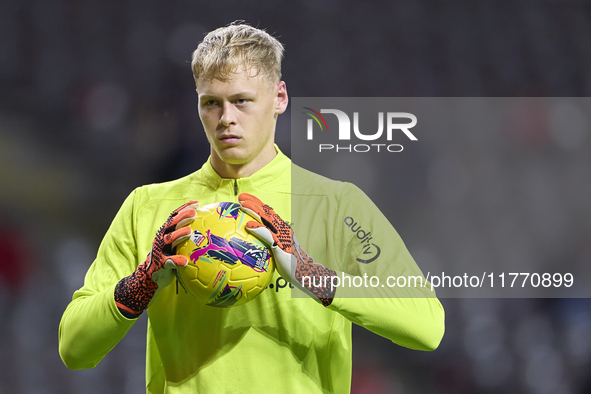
(97, 98)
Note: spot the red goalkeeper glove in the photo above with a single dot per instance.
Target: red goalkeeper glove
(134, 292)
(278, 236)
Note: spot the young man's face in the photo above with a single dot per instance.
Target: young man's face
(239, 117)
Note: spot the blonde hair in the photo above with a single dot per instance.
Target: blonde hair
(225, 49)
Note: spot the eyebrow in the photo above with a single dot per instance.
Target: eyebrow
(233, 96)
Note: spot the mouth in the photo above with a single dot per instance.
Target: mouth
(229, 138)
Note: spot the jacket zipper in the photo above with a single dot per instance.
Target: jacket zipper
(235, 187)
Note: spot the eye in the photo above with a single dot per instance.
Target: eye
(241, 101)
(208, 103)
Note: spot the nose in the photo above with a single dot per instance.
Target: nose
(227, 117)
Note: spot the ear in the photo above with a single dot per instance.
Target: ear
(198, 106)
(282, 98)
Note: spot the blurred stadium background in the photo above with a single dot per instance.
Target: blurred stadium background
(98, 98)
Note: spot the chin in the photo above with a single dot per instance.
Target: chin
(233, 156)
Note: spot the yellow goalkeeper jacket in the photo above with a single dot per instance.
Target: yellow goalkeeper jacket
(277, 342)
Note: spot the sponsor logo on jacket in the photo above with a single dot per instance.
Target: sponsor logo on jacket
(371, 251)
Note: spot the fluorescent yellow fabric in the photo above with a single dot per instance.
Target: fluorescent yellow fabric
(275, 343)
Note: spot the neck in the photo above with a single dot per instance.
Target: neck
(236, 171)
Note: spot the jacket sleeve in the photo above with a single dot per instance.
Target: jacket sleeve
(91, 324)
(367, 246)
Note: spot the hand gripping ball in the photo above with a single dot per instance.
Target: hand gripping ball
(227, 265)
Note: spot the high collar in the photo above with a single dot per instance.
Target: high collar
(269, 173)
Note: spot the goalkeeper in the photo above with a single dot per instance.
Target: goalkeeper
(275, 343)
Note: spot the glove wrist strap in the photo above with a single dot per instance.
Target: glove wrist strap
(134, 292)
(316, 274)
